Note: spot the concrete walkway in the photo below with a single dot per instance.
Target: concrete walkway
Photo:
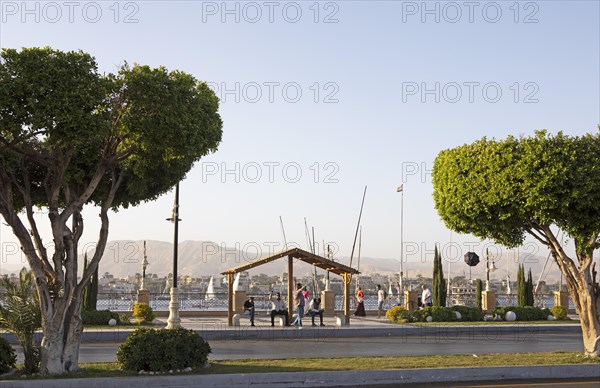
(216, 328)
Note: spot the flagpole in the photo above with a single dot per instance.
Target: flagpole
(400, 285)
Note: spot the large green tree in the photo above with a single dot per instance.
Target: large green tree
(540, 185)
(71, 136)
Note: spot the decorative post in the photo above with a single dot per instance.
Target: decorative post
(174, 321)
(143, 295)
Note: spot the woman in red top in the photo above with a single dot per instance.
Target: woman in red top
(360, 303)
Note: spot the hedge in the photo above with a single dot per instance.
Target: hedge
(161, 350)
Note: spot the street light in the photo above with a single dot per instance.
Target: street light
(488, 269)
(400, 286)
(144, 266)
(174, 321)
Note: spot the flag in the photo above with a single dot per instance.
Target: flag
(400, 188)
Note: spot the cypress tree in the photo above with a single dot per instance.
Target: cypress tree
(529, 289)
(443, 289)
(86, 289)
(478, 291)
(436, 280)
(439, 284)
(93, 297)
(521, 287)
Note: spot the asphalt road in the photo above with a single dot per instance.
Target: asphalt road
(372, 346)
(569, 383)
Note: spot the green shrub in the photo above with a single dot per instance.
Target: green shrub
(8, 358)
(98, 317)
(470, 314)
(143, 313)
(398, 314)
(439, 314)
(162, 350)
(559, 312)
(527, 313)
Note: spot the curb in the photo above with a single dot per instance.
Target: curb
(328, 379)
(222, 332)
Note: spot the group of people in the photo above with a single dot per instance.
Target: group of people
(360, 302)
(302, 299)
(424, 301)
(278, 307)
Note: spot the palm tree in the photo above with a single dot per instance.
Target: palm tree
(21, 315)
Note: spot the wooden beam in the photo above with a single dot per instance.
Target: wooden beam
(347, 277)
(291, 287)
(230, 299)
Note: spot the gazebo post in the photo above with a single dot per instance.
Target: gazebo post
(291, 287)
(230, 299)
(347, 277)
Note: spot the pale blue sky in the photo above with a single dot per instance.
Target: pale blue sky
(370, 135)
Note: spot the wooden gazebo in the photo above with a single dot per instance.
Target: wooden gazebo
(295, 253)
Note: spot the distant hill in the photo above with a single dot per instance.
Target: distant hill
(200, 258)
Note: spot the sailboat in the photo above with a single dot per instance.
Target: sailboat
(210, 290)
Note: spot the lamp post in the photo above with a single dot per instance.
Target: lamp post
(174, 321)
(400, 286)
(488, 269)
(144, 266)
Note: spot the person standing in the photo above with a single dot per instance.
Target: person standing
(249, 306)
(360, 303)
(380, 300)
(299, 302)
(426, 297)
(306, 296)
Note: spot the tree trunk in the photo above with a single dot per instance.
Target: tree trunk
(60, 347)
(582, 290)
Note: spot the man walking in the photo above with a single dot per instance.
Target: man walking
(249, 306)
(380, 300)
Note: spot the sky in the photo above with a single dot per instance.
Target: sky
(322, 98)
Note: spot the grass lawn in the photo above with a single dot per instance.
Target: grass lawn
(351, 363)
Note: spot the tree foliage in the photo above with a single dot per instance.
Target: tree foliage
(529, 299)
(90, 291)
(439, 284)
(478, 293)
(20, 315)
(71, 136)
(506, 189)
(521, 287)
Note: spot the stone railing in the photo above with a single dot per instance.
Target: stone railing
(218, 301)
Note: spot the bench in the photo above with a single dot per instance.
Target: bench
(237, 318)
(340, 319)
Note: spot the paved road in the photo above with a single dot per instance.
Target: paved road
(372, 346)
(569, 383)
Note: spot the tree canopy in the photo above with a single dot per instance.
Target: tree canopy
(538, 185)
(71, 136)
(503, 189)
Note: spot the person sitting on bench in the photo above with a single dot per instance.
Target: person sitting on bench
(315, 308)
(278, 308)
(249, 306)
